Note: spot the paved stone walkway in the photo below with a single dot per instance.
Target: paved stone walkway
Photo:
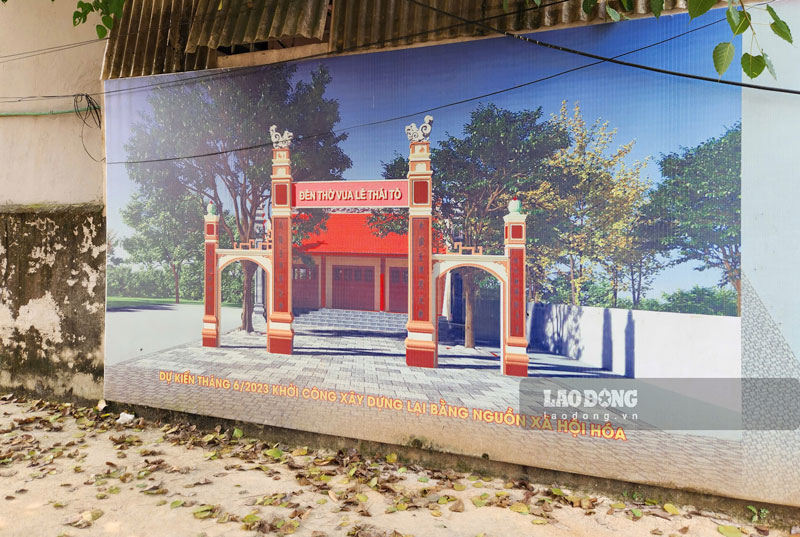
(466, 377)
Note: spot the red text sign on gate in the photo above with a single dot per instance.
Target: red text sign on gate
(389, 193)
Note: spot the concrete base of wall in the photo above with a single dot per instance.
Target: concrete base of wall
(52, 298)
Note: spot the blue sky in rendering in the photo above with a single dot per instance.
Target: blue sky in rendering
(661, 113)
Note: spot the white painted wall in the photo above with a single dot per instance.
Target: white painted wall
(641, 344)
(770, 179)
(43, 159)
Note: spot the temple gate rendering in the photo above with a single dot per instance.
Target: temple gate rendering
(422, 274)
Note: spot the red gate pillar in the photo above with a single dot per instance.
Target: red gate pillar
(211, 313)
(515, 345)
(422, 340)
(280, 335)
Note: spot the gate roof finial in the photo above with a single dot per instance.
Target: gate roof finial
(280, 141)
(422, 133)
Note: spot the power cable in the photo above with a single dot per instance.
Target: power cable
(56, 48)
(605, 58)
(88, 111)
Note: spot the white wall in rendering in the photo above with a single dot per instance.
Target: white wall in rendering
(640, 344)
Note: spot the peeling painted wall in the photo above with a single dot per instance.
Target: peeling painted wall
(52, 259)
(52, 299)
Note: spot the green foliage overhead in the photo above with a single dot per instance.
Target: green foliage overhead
(739, 20)
(723, 56)
(109, 11)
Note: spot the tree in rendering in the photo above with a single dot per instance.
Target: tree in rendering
(210, 139)
(591, 196)
(699, 205)
(499, 154)
(168, 229)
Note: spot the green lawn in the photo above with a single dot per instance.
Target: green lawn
(115, 302)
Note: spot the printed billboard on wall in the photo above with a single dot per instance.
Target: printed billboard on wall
(440, 246)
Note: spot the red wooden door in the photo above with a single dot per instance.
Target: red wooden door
(353, 287)
(398, 289)
(305, 287)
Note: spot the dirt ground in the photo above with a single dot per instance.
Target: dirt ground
(66, 470)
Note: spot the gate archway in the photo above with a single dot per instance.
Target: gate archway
(495, 269)
(227, 258)
(216, 260)
(426, 268)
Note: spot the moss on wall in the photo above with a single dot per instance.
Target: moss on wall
(52, 298)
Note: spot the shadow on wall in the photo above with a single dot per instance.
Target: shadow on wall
(630, 349)
(555, 329)
(607, 352)
(638, 343)
(574, 332)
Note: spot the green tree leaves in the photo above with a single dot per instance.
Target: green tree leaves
(723, 56)
(109, 11)
(779, 27)
(739, 21)
(657, 6)
(168, 225)
(753, 65)
(588, 6)
(613, 13)
(770, 67)
(699, 7)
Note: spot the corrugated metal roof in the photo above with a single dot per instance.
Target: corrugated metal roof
(222, 23)
(386, 23)
(151, 38)
(167, 36)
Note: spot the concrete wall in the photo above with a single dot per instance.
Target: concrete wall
(770, 220)
(43, 159)
(769, 179)
(52, 300)
(52, 221)
(639, 343)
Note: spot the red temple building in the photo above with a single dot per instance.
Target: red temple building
(349, 267)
